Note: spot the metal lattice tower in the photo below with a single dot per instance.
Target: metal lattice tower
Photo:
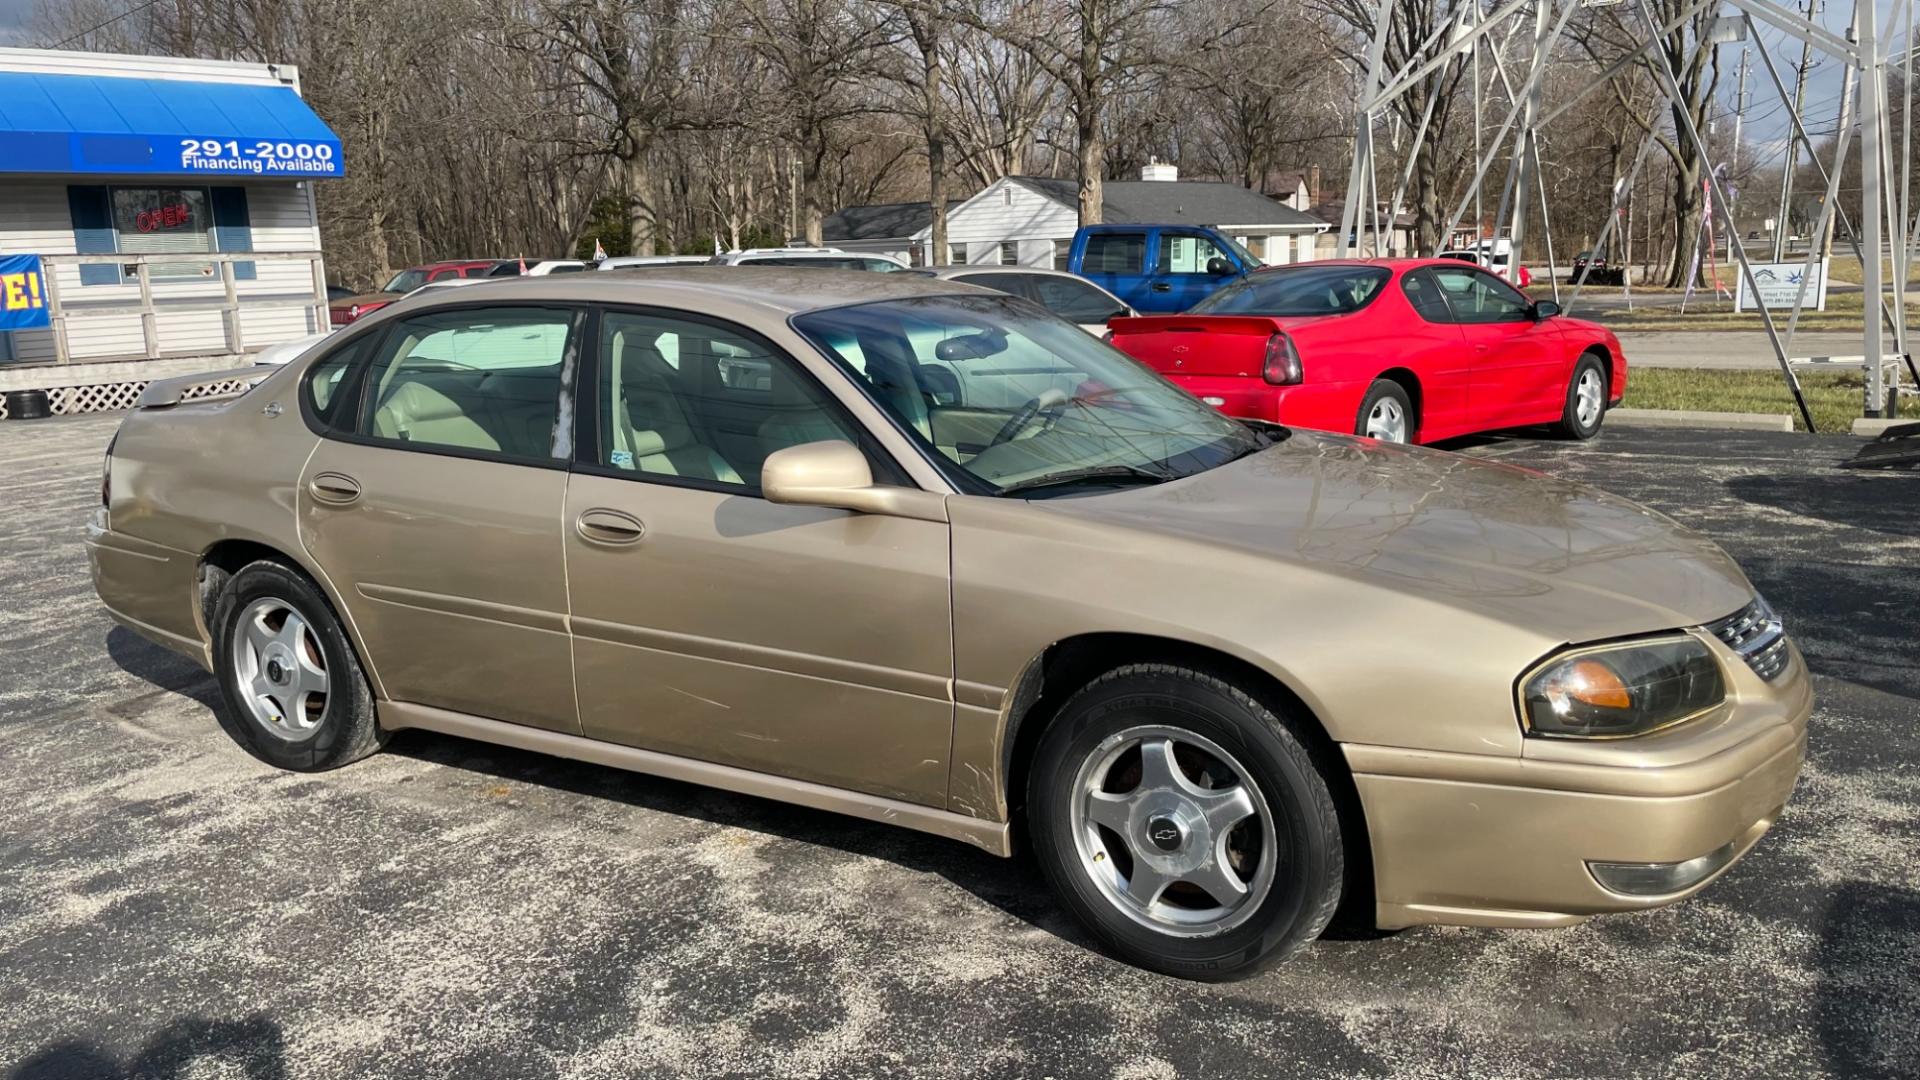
(1521, 38)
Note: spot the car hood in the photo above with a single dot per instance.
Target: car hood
(1558, 558)
(364, 299)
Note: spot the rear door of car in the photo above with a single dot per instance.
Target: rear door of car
(1116, 260)
(711, 623)
(433, 503)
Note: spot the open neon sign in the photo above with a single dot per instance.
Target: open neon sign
(170, 216)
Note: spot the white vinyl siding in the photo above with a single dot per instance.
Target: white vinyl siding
(35, 219)
(1008, 211)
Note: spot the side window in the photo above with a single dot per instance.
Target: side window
(486, 380)
(1475, 296)
(694, 400)
(326, 385)
(1185, 253)
(1115, 253)
(1011, 284)
(1424, 294)
(1074, 300)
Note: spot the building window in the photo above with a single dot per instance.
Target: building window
(1062, 254)
(157, 221)
(956, 256)
(1009, 253)
(1255, 245)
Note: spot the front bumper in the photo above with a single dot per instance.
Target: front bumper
(1461, 839)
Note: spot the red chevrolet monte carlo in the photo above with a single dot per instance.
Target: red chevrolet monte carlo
(1403, 350)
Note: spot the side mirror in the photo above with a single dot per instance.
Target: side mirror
(1545, 309)
(835, 474)
(1219, 267)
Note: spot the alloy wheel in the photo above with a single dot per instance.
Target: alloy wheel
(280, 669)
(1172, 831)
(1387, 422)
(1587, 398)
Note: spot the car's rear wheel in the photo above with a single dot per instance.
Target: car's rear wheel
(1586, 403)
(1185, 823)
(1386, 413)
(294, 688)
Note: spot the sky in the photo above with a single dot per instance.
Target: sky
(1766, 121)
(15, 18)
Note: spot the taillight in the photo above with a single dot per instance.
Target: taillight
(1283, 361)
(1107, 337)
(106, 473)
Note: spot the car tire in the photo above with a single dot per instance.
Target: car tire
(1385, 409)
(1091, 766)
(295, 693)
(1586, 404)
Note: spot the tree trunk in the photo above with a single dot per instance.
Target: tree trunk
(1686, 223)
(812, 164)
(638, 185)
(1093, 155)
(936, 157)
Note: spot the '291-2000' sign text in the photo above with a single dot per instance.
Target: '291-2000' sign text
(263, 157)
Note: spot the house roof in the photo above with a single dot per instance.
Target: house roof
(1176, 202)
(884, 221)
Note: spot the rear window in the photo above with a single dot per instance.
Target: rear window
(1302, 290)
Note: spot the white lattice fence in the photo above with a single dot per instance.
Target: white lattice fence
(108, 397)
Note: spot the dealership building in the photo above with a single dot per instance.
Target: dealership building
(156, 218)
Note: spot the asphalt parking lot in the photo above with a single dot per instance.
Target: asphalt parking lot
(170, 907)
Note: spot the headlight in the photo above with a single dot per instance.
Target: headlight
(1613, 691)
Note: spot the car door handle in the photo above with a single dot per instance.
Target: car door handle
(609, 527)
(1162, 286)
(335, 489)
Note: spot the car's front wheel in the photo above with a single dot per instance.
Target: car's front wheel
(1586, 403)
(1185, 823)
(294, 688)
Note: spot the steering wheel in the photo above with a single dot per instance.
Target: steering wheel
(1019, 421)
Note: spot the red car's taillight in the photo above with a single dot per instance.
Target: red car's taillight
(1283, 361)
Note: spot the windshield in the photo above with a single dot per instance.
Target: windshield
(405, 281)
(1014, 398)
(1309, 289)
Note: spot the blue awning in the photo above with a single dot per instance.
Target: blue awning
(106, 125)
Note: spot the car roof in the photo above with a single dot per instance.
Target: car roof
(956, 269)
(739, 291)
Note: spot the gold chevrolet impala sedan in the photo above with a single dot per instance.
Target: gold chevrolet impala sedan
(920, 553)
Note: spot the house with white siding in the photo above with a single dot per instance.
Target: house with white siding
(1030, 220)
(167, 208)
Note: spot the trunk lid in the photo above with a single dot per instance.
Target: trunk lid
(1230, 345)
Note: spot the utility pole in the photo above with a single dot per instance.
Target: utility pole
(1871, 164)
(1733, 158)
(1780, 221)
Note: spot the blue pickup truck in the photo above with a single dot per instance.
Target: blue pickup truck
(1158, 269)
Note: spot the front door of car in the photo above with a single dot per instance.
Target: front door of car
(433, 506)
(713, 624)
(1515, 357)
(1181, 274)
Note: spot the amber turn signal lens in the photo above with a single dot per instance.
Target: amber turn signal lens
(1596, 684)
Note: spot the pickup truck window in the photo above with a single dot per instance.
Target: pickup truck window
(1115, 253)
(1186, 253)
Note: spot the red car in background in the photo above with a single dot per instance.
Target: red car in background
(343, 311)
(1402, 350)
